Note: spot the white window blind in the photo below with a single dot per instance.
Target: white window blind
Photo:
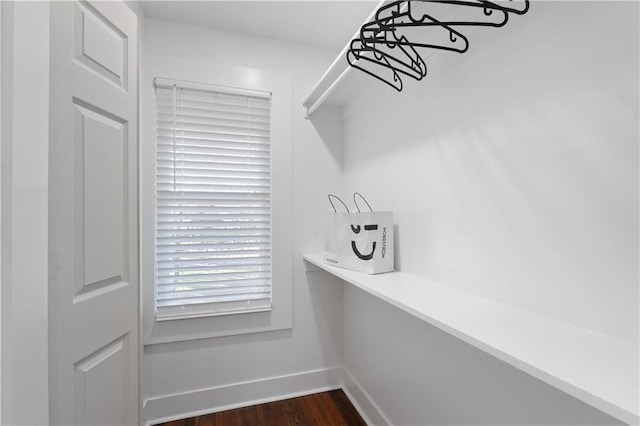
(213, 207)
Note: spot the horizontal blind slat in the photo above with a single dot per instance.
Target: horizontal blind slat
(211, 272)
(220, 284)
(220, 178)
(167, 244)
(178, 157)
(168, 303)
(212, 295)
(204, 225)
(244, 133)
(228, 236)
(169, 143)
(165, 117)
(168, 285)
(200, 226)
(218, 217)
(172, 257)
(210, 105)
(217, 276)
(162, 87)
(213, 248)
(202, 111)
(235, 164)
(237, 287)
(209, 97)
(213, 137)
(221, 203)
(215, 147)
(200, 265)
(215, 170)
(209, 279)
(250, 111)
(175, 206)
(165, 313)
(212, 122)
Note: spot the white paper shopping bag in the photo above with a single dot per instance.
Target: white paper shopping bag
(360, 241)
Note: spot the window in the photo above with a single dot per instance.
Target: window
(213, 200)
(210, 320)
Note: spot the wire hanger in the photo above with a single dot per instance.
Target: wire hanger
(417, 14)
(378, 66)
(404, 22)
(385, 42)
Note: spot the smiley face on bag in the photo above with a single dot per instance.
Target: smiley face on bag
(356, 230)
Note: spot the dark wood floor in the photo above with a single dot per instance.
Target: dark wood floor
(331, 408)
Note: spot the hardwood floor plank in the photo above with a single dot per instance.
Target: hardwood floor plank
(346, 408)
(206, 420)
(307, 413)
(318, 413)
(331, 408)
(332, 414)
(278, 415)
(261, 418)
(292, 412)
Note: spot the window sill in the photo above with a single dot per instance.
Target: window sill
(597, 369)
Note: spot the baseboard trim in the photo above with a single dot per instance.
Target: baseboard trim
(368, 409)
(183, 405)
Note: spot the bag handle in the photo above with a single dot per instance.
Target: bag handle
(329, 196)
(363, 199)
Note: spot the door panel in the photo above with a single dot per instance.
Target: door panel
(100, 157)
(99, 381)
(93, 198)
(99, 44)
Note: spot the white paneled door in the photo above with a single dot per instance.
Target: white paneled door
(93, 201)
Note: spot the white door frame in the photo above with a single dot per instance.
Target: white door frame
(25, 122)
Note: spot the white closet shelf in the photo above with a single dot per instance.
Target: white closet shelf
(598, 369)
(342, 85)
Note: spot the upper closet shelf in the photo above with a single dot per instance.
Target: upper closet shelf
(597, 369)
(341, 85)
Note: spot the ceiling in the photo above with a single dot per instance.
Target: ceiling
(324, 24)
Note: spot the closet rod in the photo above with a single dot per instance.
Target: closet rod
(327, 92)
(338, 62)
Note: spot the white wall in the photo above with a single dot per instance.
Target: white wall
(512, 169)
(512, 172)
(25, 135)
(184, 377)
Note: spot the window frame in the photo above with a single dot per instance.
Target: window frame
(279, 85)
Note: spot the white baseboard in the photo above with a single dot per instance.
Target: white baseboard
(210, 400)
(369, 410)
